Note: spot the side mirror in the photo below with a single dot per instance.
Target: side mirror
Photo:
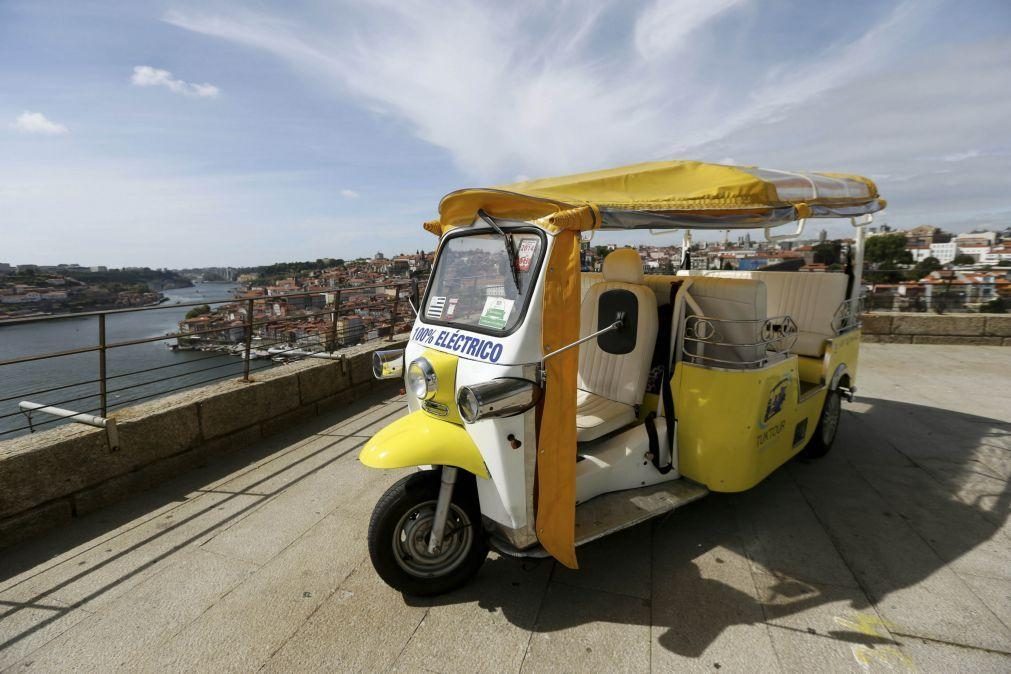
(388, 364)
(617, 305)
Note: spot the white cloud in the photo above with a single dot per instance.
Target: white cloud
(146, 76)
(547, 88)
(36, 122)
(932, 134)
(555, 87)
(665, 24)
(961, 156)
(349, 194)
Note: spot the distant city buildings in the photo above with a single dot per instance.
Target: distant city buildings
(316, 307)
(970, 269)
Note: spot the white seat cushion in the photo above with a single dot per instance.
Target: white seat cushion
(611, 385)
(620, 377)
(809, 298)
(597, 416)
(586, 281)
(737, 308)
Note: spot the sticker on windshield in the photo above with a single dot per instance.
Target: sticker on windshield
(496, 313)
(451, 307)
(435, 307)
(526, 254)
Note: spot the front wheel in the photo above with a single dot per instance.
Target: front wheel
(400, 528)
(828, 427)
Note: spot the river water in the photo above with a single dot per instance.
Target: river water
(186, 368)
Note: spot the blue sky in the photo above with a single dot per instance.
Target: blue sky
(183, 133)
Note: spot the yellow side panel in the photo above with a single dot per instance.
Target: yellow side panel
(844, 350)
(421, 440)
(811, 369)
(737, 426)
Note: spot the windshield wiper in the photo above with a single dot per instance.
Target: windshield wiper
(510, 250)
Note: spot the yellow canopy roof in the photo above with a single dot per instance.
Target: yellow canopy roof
(687, 194)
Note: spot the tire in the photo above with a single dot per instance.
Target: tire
(399, 528)
(827, 429)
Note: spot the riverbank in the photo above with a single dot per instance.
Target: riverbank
(85, 308)
(24, 381)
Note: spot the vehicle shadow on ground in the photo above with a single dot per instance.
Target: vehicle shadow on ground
(906, 490)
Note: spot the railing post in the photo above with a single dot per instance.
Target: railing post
(249, 338)
(393, 314)
(333, 324)
(102, 383)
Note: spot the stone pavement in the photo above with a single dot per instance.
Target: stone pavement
(891, 554)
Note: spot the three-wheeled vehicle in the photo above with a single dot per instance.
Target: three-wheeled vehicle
(550, 406)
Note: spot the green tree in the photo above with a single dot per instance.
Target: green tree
(963, 259)
(827, 253)
(198, 311)
(887, 250)
(924, 267)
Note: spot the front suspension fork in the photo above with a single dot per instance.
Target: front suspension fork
(442, 509)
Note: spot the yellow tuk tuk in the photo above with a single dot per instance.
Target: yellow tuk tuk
(551, 406)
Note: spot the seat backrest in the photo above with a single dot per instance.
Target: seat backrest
(810, 299)
(733, 335)
(658, 283)
(619, 377)
(586, 281)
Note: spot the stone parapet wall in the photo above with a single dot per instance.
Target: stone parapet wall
(48, 478)
(910, 328)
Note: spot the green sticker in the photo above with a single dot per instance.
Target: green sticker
(496, 313)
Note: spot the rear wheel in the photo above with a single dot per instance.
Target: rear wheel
(399, 534)
(828, 426)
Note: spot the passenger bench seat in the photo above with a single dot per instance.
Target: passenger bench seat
(611, 385)
(809, 298)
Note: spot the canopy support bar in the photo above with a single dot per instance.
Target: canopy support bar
(858, 254)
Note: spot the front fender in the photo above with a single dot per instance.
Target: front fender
(420, 440)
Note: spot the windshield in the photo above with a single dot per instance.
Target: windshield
(473, 286)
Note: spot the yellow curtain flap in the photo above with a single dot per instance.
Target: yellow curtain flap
(556, 442)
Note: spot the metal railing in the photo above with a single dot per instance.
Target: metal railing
(953, 300)
(847, 314)
(736, 343)
(56, 378)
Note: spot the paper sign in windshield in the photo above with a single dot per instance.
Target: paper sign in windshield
(525, 255)
(496, 313)
(435, 307)
(451, 307)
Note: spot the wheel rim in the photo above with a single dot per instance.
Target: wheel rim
(410, 541)
(830, 418)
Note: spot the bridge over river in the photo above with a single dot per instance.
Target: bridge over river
(892, 553)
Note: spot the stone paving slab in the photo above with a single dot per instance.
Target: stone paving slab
(580, 630)
(890, 554)
(138, 622)
(495, 613)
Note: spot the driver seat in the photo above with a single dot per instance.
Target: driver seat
(611, 386)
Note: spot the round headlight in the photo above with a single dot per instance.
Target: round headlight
(468, 404)
(421, 379)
